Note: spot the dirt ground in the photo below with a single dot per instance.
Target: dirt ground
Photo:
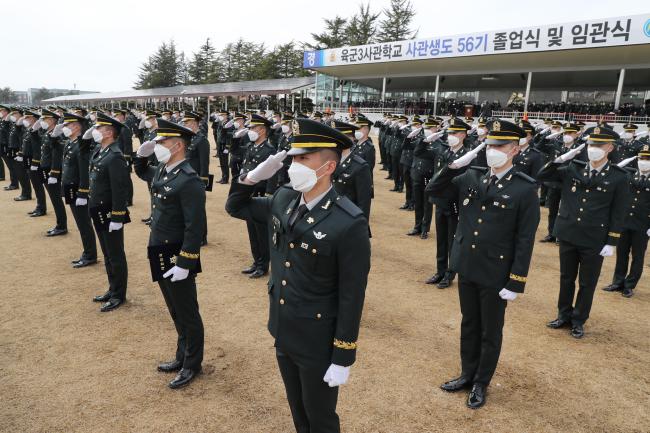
(66, 367)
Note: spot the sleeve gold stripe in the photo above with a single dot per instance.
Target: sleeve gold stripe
(518, 278)
(344, 345)
(119, 212)
(83, 190)
(188, 255)
(614, 235)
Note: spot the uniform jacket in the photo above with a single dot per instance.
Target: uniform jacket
(108, 178)
(352, 178)
(76, 160)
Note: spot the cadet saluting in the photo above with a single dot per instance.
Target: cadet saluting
(177, 224)
(107, 206)
(320, 255)
(499, 214)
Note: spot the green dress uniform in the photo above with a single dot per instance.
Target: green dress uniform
(107, 199)
(396, 146)
(530, 160)
(16, 135)
(74, 180)
(406, 162)
(32, 158)
(237, 147)
(221, 138)
(126, 146)
(177, 219)
(5, 151)
(366, 150)
(591, 215)
(198, 152)
(491, 250)
(353, 179)
(51, 165)
(422, 170)
(321, 258)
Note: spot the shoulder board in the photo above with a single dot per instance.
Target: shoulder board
(579, 163)
(348, 206)
(534, 149)
(359, 160)
(268, 144)
(621, 169)
(525, 177)
(187, 167)
(629, 170)
(482, 170)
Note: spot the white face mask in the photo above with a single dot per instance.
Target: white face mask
(162, 153)
(148, 124)
(302, 177)
(481, 131)
(44, 125)
(567, 139)
(12, 118)
(93, 117)
(253, 135)
(523, 141)
(627, 135)
(66, 131)
(644, 165)
(358, 135)
(220, 118)
(496, 158)
(26, 123)
(97, 136)
(595, 153)
(428, 133)
(452, 140)
(286, 129)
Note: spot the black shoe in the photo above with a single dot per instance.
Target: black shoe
(249, 270)
(223, 181)
(577, 331)
(627, 293)
(444, 283)
(168, 367)
(82, 263)
(38, 213)
(129, 203)
(410, 208)
(10, 187)
(184, 376)
(56, 232)
(146, 220)
(414, 232)
(435, 279)
(613, 288)
(204, 242)
(22, 198)
(74, 262)
(405, 206)
(548, 238)
(476, 396)
(424, 235)
(456, 384)
(400, 189)
(103, 298)
(31, 212)
(389, 178)
(259, 273)
(542, 203)
(111, 305)
(557, 323)
(393, 189)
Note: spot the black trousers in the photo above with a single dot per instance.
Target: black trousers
(23, 178)
(553, 204)
(481, 330)
(636, 242)
(259, 241)
(2, 167)
(235, 167)
(423, 208)
(584, 263)
(84, 224)
(56, 198)
(181, 300)
(397, 171)
(382, 154)
(311, 400)
(129, 189)
(388, 161)
(446, 224)
(223, 163)
(543, 191)
(12, 170)
(36, 179)
(112, 244)
(408, 183)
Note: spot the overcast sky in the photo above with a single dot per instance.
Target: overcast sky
(101, 46)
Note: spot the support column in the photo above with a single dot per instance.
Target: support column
(293, 102)
(245, 104)
(530, 78)
(340, 95)
(435, 96)
(383, 91)
(619, 89)
(316, 92)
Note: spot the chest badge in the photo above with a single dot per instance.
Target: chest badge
(304, 246)
(167, 188)
(310, 220)
(465, 202)
(319, 235)
(573, 188)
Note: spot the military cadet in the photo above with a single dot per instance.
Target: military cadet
(363, 145)
(177, 224)
(107, 206)
(321, 260)
(406, 161)
(481, 133)
(31, 152)
(636, 227)
(222, 139)
(382, 126)
(529, 160)
(51, 164)
(276, 128)
(199, 150)
(126, 146)
(284, 143)
(256, 153)
(16, 132)
(447, 207)
(590, 219)
(424, 156)
(499, 214)
(238, 143)
(352, 177)
(400, 131)
(386, 143)
(5, 152)
(74, 180)
(629, 146)
(148, 126)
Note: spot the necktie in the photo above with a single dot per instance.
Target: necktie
(594, 173)
(493, 181)
(297, 215)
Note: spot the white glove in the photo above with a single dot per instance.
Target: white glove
(146, 148)
(81, 202)
(19, 158)
(607, 251)
(176, 273)
(267, 168)
(88, 134)
(336, 375)
(141, 124)
(626, 161)
(433, 137)
(113, 226)
(51, 180)
(648, 233)
(467, 158)
(569, 155)
(58, 130)
(507, 295)
(225, 151)
(36, 126)
(553, 135)
(33, 167)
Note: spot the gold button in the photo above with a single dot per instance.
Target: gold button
(584, 200)
(287, 264)
(500, 257)
(475, 233)
(480, 220)
(578, 219)
(318, 315)
(473, 246)
(313, 251)
(631, 213)
(586, 190)
(482, 207)
(154, 206)
(635, 199)
(281, 301)
(581, 209)
(291, 245)
(284, 282)
(633, 206)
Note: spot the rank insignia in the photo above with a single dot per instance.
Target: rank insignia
(319, 235)
(310, 220)
(465, 202)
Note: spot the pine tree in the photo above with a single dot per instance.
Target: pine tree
(396, 24)
(165, 68)
(7, 95)
(332, 37)
(200, 68)
(362, 28)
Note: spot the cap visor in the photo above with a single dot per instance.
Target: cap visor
(302, 150)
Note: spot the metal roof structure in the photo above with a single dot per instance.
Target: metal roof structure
(240, 88)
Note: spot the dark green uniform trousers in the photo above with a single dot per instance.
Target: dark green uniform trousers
(82, 219)
(54, 191)
(112, 245)
(36, 178)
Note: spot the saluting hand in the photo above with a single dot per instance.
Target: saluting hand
(569, 155)
(58, 130)
(336, 375)
(467, 158)
(146, 148)
(88, 134)
(51, 180)
(177, 273)
(626, 161)
(267, 169)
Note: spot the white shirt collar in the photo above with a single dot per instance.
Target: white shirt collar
(500, 175)
(312, 204)
(169, 168)
(591, 168)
